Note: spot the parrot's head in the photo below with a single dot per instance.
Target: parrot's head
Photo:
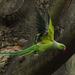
(61, 47)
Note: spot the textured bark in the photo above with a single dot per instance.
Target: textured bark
(17, 25)
(56, 9)
(8, 7)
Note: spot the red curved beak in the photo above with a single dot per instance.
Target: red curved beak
(64, 49)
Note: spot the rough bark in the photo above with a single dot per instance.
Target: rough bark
(17, 25)
(9, 7)
(56, 9)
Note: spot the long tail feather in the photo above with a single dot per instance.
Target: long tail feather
(26, 51)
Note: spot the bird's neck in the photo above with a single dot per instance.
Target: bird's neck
(56, 44)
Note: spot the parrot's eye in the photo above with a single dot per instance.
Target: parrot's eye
(62, 46)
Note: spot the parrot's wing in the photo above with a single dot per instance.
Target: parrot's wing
(41, 24)
(45, 28)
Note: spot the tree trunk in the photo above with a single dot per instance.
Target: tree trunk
(47, 62)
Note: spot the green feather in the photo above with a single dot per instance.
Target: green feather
(49, 37)
(40, 23)
(26, 51)
(45, 28)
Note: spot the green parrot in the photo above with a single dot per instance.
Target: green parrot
(44, 39)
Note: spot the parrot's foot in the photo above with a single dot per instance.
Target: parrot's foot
(37, 36)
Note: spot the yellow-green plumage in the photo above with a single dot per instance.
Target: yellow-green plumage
(50, 35)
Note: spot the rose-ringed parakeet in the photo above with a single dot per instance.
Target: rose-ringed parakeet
(46, 37)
